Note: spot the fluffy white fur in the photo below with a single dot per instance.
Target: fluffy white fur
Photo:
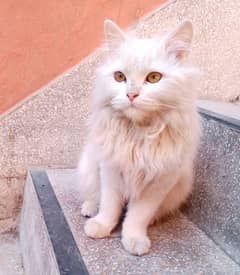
(139, 153)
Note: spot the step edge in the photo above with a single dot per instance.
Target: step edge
(209, 237)
(29, 191)
(211, 110)
(70, 261)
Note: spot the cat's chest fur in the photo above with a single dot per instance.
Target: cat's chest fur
(141, 150)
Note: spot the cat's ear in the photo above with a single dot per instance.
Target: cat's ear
(114, 36)
(179, 40)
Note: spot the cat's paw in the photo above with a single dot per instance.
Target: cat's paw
(94, 229)
(137, 245)
(89, 208)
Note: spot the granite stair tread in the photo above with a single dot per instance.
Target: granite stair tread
(178, 245)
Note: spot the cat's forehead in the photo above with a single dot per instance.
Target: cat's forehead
(138, 54)
(137, 48)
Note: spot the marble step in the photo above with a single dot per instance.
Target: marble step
(53, 241)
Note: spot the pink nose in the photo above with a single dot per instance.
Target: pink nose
(132, 96)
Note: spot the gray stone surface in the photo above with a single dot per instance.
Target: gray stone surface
(10, 255)
(178, 246)
(215, 203)
(37, 251)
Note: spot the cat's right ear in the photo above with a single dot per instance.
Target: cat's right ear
(114, 36)
(179, 40)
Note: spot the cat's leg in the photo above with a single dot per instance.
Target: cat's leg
(111, 203)
(89, 182)
(177, 195)
(140, 213)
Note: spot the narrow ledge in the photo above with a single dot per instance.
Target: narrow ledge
(67, 254)
(223, 112)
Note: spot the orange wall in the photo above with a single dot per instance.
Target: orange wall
(41, 39)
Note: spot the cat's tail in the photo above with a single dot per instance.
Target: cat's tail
(89, 182)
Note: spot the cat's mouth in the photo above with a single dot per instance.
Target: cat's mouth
(132, 104)
(131, 109)
(133, 112)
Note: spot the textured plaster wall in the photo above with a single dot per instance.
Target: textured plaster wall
(48, 129)
(41, 39)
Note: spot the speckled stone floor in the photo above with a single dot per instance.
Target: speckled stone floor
(178, 245)
(10, 255)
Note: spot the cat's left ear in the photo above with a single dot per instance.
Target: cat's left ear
(114, 36)
(179, 40)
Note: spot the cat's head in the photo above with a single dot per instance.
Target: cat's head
(145, 77)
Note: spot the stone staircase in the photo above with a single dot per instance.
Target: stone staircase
(204, 238)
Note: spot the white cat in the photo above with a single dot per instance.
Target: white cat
(143, 135)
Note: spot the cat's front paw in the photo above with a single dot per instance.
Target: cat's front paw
(89, 208)
(94, 229)
(137, 245)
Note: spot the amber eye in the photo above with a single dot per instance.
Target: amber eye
(119, 76)
(153, 77)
